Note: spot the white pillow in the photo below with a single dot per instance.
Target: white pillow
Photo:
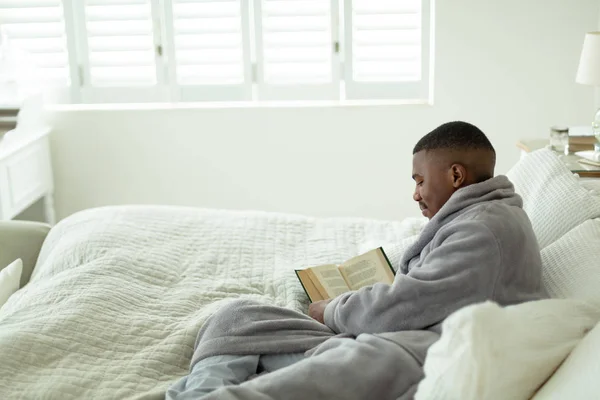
(491, 353)
(577, 377)
(553, 196)
(571, 265)
(10, 278)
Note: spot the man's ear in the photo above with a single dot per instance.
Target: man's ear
(458, 174)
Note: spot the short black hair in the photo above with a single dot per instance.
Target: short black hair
(456, 135)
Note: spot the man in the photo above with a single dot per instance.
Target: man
(478, 245)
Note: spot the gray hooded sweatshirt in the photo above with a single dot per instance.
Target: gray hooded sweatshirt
(479, 246)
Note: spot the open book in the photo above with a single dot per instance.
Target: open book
(328, 281)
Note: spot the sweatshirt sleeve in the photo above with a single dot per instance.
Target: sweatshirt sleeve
(461, 269)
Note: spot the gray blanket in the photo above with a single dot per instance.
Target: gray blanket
(245, 327)
(383, 366)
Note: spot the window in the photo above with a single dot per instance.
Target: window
(389, 48)
(208, 43)
(117, 43)
(226, 50)
(36, 29)
(295, 53)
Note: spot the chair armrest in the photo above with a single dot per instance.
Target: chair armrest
(21, 239)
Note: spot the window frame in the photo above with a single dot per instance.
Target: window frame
(205, 93)
(410, 90)
(89, 93)
(298, 92)
(341, 89)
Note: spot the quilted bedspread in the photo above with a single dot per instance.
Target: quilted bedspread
(119, 293)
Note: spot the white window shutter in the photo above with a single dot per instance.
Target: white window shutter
(295, 49)
(36, 29)
(119, 43)
(208, 43)
(387, 49)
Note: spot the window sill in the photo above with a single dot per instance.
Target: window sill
(233, 105)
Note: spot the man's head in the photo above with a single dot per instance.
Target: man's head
(450, 157)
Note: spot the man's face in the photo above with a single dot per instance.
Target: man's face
(434, 183)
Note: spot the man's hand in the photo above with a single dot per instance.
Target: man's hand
(316, 310)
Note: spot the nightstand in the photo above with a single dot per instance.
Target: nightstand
(571, 160)
(26, 174)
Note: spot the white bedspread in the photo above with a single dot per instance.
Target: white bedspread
(119, 293)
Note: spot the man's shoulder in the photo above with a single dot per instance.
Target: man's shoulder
(497, 211)
(500, 219)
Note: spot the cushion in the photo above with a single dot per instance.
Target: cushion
(9, 280)
(22, 239)
(548, 187)
(577, 377)
(571, 265)
(487, 352)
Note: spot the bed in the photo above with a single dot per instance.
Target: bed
(111, 306)
(118, 294)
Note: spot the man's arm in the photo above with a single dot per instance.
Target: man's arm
(460, 270)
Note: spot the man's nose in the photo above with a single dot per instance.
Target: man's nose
(417, 196)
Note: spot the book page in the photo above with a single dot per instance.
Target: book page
(367, 269)
(328, 280)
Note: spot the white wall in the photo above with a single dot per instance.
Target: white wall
(507, 66)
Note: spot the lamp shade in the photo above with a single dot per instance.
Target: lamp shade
(589, 63)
